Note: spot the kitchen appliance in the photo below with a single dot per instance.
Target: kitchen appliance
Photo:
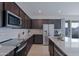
(11, 20)
(19, 44)
(48, 30)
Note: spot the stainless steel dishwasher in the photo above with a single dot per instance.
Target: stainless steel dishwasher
(21, 50)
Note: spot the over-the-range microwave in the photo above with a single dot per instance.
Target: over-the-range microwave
(11, 20)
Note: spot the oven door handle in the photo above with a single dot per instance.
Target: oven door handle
(21, 48)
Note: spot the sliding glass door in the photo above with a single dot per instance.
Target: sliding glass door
(72, 29)
(75, 29)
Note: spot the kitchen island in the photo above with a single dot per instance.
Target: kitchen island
(68, 47)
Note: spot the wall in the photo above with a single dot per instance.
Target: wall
(38, 23)
(12, 33)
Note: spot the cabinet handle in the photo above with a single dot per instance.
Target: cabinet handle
(21, 48)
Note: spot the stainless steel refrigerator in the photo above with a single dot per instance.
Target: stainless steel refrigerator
(48, 30)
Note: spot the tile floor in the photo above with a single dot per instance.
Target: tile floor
(38, 50)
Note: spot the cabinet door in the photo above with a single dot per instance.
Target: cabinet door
(56, 22)
(10, 6)
(22, 52)
(22, 15)
(27, 22)
(51, 48)
(38, 39)
(58, 52)
(37, 24)
(29, 44)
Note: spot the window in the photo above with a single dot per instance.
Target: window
(75, 29)
(66, 29)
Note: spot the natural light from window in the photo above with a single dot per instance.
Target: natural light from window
(66, 25)
(74, 25)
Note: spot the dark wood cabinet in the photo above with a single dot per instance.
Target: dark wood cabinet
(56, 22)
(27, 22)
(22, 52)
(38, 39)
(38, 23)
(22, 15)
(29, 44)
(51, 49)
(54, 50)
(14, 8)
(26, 48)
(58, 51)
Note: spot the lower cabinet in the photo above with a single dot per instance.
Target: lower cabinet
(57, 52)
(38, 39)
(22, 52)
(54, 50)
(29, 44)
(25, 48)
(51, 49)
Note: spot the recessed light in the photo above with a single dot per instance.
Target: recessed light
(59, 11)
(39, 11)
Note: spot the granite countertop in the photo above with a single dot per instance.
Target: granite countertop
(4, 50)
(69, 46)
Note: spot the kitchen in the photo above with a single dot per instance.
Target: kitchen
(47, 24)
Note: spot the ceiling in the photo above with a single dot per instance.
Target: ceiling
(51, 10)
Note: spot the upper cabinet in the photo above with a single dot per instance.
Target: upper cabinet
(38, 23)
(29, 22)
(26, 21)
(56, 22)
(22, 15)
(14, 8)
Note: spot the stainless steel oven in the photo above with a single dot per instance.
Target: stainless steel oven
(20, 50)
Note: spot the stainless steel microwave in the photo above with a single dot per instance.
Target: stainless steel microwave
(11, 20)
